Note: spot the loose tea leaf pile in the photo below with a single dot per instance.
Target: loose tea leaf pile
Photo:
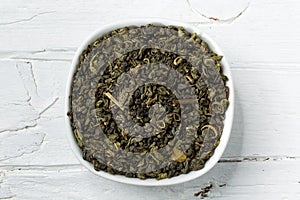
(148, 102)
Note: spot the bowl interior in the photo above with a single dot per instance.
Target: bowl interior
(227, 122)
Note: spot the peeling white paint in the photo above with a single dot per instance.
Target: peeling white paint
(17, 143)
(16, 112)
(26, 19)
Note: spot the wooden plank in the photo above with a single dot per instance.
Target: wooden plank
(253, 36)
(257, 180)
(267, 107)
(263, 119)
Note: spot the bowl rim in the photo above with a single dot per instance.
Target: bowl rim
(228, 116)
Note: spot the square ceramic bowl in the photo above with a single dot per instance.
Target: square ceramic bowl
(227, 122)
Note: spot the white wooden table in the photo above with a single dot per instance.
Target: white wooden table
(261, 40)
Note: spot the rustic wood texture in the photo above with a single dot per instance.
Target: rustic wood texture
(261, 40)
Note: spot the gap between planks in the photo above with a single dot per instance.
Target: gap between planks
(76, 167)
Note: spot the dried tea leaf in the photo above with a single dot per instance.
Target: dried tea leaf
(178, 155)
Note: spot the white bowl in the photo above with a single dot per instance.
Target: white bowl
(227, 123)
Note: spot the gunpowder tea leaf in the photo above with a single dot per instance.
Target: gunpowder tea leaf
(178, 155)
(148, 102)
